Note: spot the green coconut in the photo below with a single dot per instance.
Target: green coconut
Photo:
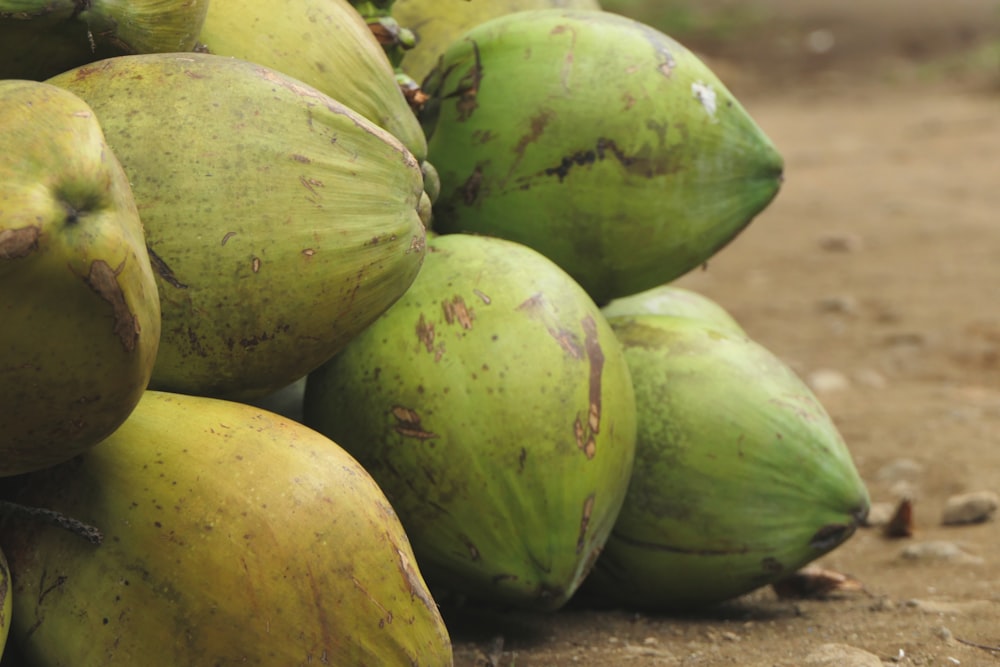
(741, 477)
(493, 405)
(596, 140)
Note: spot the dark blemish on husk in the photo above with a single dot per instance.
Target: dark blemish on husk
(196, 345)
(538, 124)
(521, 459)
(470, 189)
(229, 235)
(311, 184)
(482, 136)
(17, 243)
(408, 424)
(301, 158)
(603, 149)
(588, 509)
(103, 280)
(44, 590)
(425, 333)
(163, 270)
(576, 159)
(468, 87)
(456, 311)
(585, 430)
(253, 341)
(473, 551)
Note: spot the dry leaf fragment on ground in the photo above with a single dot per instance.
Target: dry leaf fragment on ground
(901, 522)
(813, 581)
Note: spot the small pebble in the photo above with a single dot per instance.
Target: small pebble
(944, 634)
(820, 41)
(825, 381)
(975, 507)
(840, 655)
(939, 550)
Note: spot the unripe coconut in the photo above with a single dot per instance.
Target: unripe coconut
(494, 407)
(596, 140)
(741, 477)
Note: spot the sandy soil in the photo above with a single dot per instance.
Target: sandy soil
(875, 267)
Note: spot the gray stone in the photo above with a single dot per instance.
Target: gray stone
(975, 507)
(940, 550)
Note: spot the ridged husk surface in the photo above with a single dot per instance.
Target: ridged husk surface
(324, 43)
(281, 222)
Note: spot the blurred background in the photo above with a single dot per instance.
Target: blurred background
(780, 42)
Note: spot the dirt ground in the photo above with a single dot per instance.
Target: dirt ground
(873, 274)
